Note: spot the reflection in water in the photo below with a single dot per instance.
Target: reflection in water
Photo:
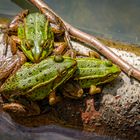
(10, 131)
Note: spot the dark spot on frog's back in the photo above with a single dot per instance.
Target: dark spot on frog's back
(21, 74)
(36, 79)
(29, 81)
(45, 74)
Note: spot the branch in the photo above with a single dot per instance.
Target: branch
(88, 39)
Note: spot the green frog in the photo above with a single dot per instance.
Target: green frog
(90, 73)
(34, 82)
(34, 36)
(38, 81)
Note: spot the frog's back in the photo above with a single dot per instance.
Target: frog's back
(95, 71)
(35, 26)
(35, 79)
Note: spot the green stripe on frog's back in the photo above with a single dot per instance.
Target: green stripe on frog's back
(46, 88)
(95, 71)
(35, 24)
(36, 37)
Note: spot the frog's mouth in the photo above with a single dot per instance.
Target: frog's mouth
(109, 78)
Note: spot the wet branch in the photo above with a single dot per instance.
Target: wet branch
(88, 39)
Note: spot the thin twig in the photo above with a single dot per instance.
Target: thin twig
(91, 40)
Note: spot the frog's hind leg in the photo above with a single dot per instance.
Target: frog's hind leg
(18, 19)
(13, 41)
(91, 53)
(59, 48)
(18, 109)
(77, 53)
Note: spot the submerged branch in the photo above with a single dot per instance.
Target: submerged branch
(88, 39)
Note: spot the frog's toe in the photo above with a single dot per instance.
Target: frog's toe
(93, 90)
(53, 99)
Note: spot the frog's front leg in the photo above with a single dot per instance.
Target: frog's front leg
(93, 90)
(73, 90)
(13, 41)
(53, 99)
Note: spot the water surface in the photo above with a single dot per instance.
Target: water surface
(119, 20)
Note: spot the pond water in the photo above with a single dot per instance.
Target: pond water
(11, 131)
(118, 20)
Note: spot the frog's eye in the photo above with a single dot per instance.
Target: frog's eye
(29, 43)
(58, 58)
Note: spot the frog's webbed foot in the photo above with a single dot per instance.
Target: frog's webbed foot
(18, 109)
(93, 90)
(53, 99)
